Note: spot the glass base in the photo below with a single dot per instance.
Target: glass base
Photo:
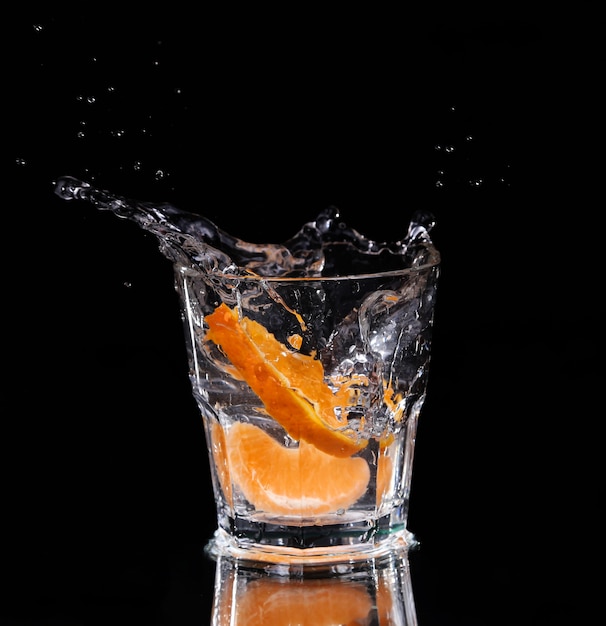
(225, 545)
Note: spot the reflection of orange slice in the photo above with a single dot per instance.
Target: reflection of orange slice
(299, 481)
(290, 384)
(306, 602)
(385, 601)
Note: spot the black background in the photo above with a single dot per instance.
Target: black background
(259, 121)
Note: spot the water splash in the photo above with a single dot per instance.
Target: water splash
(323, 247)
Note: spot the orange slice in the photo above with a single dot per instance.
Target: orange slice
(301, 481)
(290, 384)
(306, 602)
(217, 447)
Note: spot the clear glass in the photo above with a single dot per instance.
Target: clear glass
(369, 592)
(357, 345)
(309, 362)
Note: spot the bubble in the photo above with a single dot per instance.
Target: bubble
(137, 166)
(476, 182)
(38, 28)
(160, 174)
(20, 161)
(449, 149)
(439, 183)
(118, 132)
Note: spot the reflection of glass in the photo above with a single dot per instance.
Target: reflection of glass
(308, 361)
(367, 593)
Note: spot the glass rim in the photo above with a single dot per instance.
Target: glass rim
(316, 279)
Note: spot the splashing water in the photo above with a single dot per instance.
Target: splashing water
(329, 326)
(325, 247)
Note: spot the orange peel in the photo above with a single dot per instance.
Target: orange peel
(290, 384)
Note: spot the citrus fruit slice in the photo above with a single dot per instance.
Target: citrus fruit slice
(217, 446)
(306, 602)
(301, 481)
(290, 384)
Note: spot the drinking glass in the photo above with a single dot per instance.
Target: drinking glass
(309, 363)
(310, 390)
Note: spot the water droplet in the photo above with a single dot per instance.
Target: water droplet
(137, 166)
(159, 175)
(38, 28)
(118, 132)
(439, 183)
(468, 138)
(20, 161)
(127, 284)
(91, 99)
(80, 134)
(476, 182)
(449, 149)
(437, 147)
(111, 89)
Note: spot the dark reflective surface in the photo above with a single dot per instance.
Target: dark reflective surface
(483, 119)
